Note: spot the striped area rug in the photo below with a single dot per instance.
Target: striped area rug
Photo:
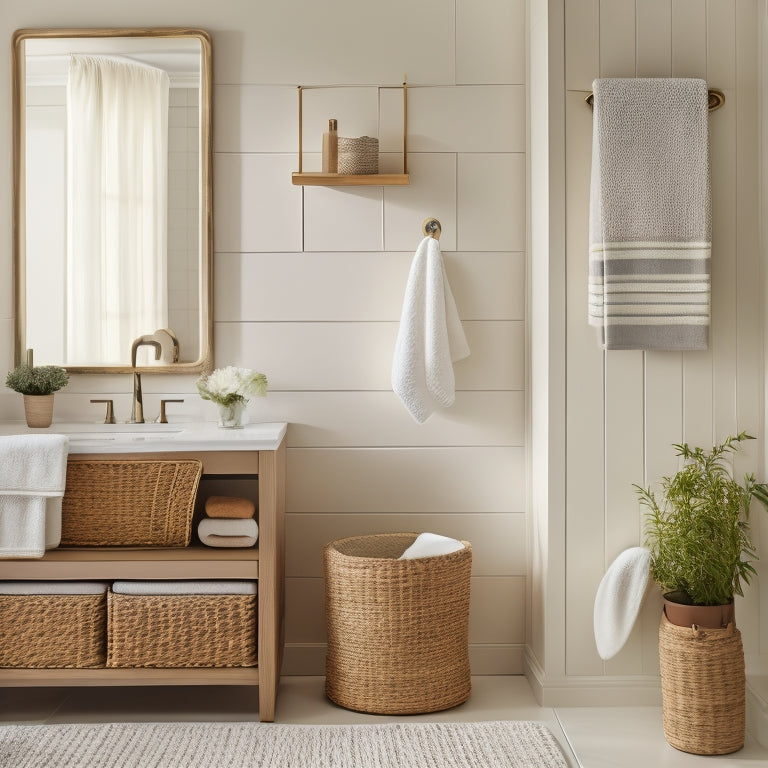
(513, 744)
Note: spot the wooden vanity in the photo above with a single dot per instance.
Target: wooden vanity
(256, 451)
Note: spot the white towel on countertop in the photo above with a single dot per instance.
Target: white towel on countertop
(431, 545)
(184, 587)
(53, 587)
(430, 338)
(228, 532)
(650, 214)
(619, 598)
(33, 472)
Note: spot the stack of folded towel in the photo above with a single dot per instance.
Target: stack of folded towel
(228, 522)
(33, 471)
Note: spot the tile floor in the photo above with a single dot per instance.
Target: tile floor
(591, 737)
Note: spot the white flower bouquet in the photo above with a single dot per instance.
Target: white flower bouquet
(230, 385)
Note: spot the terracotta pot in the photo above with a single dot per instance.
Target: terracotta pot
(38, 410)
(706, 616)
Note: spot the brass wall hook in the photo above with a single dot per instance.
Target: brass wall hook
(431, 227)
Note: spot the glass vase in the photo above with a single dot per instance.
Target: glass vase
(233, 416)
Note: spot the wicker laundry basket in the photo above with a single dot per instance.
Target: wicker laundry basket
(703, 688)
(397, 629)
(129, 503)
(53, 631)
(181, 630)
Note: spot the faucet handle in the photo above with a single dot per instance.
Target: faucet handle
(163, 419)
(110, 417)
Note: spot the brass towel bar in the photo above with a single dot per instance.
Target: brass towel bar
(716, 99)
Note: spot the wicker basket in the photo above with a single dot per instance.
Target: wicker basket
(358, 155)
(53, 631)
(703, 688)
(397, 629)
(181, 630)
(129, 503)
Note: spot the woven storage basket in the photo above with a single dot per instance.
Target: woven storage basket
(53, 631)
(129, 503)
(703, 688)
(181, 630)
(358, 155)
(397, 629)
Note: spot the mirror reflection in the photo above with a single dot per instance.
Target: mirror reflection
(113, 198)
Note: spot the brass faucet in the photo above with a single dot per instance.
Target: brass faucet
(137, 408)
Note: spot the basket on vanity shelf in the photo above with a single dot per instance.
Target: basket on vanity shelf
(358, 156)
(703, 688)
(397, 629)
(212, 630)
(48, 631)
(129, 503)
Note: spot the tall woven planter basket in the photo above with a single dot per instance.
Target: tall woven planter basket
(703, 688)
(397, 629)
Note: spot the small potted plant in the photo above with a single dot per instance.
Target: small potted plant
(701, 551)
(37, 384)
(698, 534)
(230, 388)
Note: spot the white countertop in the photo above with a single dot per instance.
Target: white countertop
(152, 437)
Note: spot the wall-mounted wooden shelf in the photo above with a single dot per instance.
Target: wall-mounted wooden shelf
(318, 179)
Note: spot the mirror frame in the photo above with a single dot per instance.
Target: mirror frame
(205, 362)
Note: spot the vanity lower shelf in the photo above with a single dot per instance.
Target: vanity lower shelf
(10, 678)
(110, 563)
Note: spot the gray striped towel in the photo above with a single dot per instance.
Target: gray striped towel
(650, 214)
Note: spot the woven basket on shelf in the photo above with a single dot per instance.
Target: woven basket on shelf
(129, 503)
(358, 156)
(397, 629)
(703, 688)
(53, 631)
(181, 630)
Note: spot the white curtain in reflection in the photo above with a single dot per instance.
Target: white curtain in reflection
(117, 158)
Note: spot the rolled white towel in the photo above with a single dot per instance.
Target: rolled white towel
(228, 532)
(53, 587)
(619, 598)
(431, 545)
(184, 587)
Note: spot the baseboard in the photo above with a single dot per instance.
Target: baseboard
(590, 691)
(757, 698)
(484, 659)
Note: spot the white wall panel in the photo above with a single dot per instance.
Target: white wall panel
(255, 118)
(654, 38)
(445, 119)
(498, 540)
(689, 38)
(359, 286)
(257, 207)
(617, 38)
(349, 356)
(497, 28)
(421, 480)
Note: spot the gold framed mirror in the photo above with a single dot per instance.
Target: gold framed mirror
(112, 199)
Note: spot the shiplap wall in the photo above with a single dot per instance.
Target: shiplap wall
(309, 282)
(624, 409)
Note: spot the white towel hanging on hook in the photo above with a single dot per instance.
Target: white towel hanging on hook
(431, 337)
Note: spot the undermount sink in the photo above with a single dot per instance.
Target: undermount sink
(109, 429)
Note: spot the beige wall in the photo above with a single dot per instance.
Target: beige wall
(622, 410)
(309, 282)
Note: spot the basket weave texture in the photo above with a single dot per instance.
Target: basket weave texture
(397, 629)
(358, 155)
(134, 503)
(703, 688)
(53, 631)
(181, 630)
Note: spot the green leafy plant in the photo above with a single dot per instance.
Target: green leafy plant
(698, 533)
(41, 380)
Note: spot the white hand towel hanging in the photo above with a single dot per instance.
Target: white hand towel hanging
(430, 338)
